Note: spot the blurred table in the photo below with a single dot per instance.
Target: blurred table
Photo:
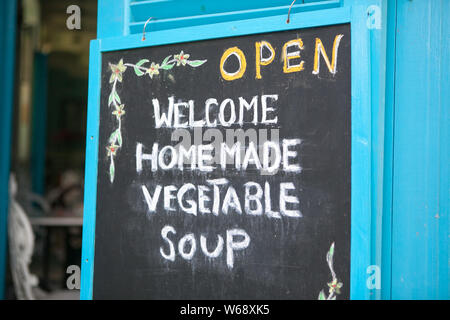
(57, 221)
(50, 223)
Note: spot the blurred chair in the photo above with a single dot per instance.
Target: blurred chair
(21, 246)
(36, 205)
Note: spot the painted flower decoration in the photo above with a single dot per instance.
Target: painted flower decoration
(119, 112)
(154, 69)
(335, 286)
(181, 58)
(112, 149)
(117, 70)
(141, 68)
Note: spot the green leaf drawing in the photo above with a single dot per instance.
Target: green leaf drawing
(116, 97)
(322, 295)
(141, 62)
(111, 98)
(138, 72)
(136, 67)
(196, 63)
(116, 136)
(164, 64)
(165, 60)
(112, 138)
(330, 253)
(119, 137)
(167, 66)
(111, 171)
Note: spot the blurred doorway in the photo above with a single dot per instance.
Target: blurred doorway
(49, 125)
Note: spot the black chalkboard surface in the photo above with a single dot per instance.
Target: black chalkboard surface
(225, 169)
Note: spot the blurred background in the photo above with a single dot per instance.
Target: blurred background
(48, 140)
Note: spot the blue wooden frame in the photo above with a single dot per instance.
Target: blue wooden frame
(361, 217)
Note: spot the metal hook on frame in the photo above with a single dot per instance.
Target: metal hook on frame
(143, 31)
(289, 12)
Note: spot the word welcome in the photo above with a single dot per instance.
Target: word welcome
(174, 117)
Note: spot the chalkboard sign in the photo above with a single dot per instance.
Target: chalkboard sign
(224, 169)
